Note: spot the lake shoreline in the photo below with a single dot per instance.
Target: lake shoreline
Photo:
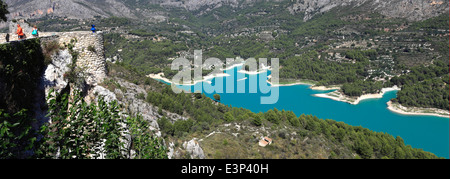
(288, 84)
(398, 108)
(325, 88)
(159, 76)
(339, 96)
(295, 82)
(262, 70)
(334, 95)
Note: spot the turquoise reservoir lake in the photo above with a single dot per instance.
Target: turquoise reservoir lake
(429, 133)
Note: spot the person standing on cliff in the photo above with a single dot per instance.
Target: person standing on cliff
(35, 32)
(93, 29)
(7, 37)
(19, 32)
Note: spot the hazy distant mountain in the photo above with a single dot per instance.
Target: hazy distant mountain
(410, 9)
(67, 8)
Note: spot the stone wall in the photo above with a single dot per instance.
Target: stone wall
(26, 28)
(12, 26)
(89, 46)
(91, 65)
(91, 59)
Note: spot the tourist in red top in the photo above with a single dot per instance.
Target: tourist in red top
(20, 32)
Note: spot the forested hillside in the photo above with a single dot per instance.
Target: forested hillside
(424, 87)
(361, 51)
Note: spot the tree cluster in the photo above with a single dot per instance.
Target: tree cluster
(424, 87)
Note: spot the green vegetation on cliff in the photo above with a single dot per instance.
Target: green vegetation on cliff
(79, 130)
(21, 65)
(146, 55)
(3, 11)
(75, 129)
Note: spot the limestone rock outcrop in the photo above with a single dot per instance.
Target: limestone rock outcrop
(194, 150)
(413, 10)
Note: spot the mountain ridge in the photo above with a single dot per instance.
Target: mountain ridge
(413, 10)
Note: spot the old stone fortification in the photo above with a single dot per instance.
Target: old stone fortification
(91, 64)
(26, 28)
(91, 61)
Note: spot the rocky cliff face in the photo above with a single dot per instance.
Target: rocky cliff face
(80, 9)
(413, 10)
(92, 65)
(193, 5)
(193, 149)
(90, 59)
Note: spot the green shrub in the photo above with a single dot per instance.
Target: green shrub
(217, 97)
(140, 96)
(84, 131)
(16, 136)
(21, 65)
(49, 49)
(92, 49)
(256, 121)
(166, 126)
